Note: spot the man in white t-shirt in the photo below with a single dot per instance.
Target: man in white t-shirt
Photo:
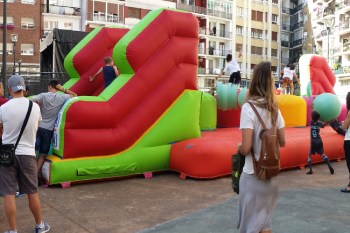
(233, 67)
(24, 170)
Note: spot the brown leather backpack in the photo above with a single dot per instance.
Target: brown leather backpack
(268, 164)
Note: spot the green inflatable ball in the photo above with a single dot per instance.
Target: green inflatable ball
(308, 89)
(328, 106)
(241, 96)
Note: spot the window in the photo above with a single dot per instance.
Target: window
(50, 24)
(284, 37)
(134, 13)
(239, 30)
(257, 33)
(238, 46)
(209, 82)
(274, 19)
(68, 26)
(27, 49)
(274, 69)
(239, 11)
(28, 1)
(27, 23)
(259, 16)
(253, 15)
(274, 52)
(274, 36)
(8, 19)
(275, 2)
(9, 48)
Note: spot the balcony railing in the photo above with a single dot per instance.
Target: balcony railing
(202, 10)
(330, 10)
(106, 18)
(285, 44)
(286, 10)
(214, 52)
(61, 10)
(285, 60)
(342, 5)
(297, 25)
(27, 26)
(342, 70)
(319, 15)
(46, 32)
(286, 27)
(218, 33)
(322, 34)
(346, 48)
(219, 14)
(297, 43)
(215, 71)
(341, 27)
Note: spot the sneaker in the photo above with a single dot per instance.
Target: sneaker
(19, 194)
(9, 231)
(46, 228)
(2, 194)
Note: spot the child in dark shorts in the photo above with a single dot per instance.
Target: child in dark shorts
(316, 141)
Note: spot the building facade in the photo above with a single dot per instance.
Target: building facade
(23, 18)
(333, 38)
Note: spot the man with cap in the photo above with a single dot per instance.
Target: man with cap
(50, 104)
(24, 170)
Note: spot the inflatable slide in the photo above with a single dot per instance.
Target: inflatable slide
(152, 117)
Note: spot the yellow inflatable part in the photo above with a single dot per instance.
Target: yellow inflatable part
(293, 109)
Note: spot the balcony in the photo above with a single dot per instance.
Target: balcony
(286, 27)
(342, 5)
(105, 18)
(296, 9)
(341, 27)
(285, 60)
(297, 25)
(321, 34)
(61, 10)
(27, 26)
(342, 70)
(285, 44)
(330, 10)
(214, 52)
(192, 8)
(297, 43)
(219, 14)
(319, 15)
(286, 10)
(225, 34)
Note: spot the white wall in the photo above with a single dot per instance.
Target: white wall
(149, 4)
(64, 19)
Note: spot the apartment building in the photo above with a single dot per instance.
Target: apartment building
(296, 31)
(23, 19)
(224, 26)
(331, 20)
(62, 14)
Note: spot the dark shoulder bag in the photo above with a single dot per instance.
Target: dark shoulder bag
(7, 152)
(237, 164)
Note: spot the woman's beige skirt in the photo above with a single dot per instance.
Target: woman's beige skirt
(257, 200)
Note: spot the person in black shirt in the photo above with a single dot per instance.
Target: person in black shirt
(336, 125)
(316, 141)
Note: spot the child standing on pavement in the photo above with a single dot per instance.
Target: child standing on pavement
(316, 141)
(110, 72)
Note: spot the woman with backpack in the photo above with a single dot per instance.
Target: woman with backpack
(345, 125)
(261, 124)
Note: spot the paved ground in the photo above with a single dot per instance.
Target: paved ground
(135, 204)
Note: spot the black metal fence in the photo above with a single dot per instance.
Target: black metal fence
(37, 81)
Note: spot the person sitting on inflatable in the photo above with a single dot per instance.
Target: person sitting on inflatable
(110, 72)
(288, 73)
(316, 141)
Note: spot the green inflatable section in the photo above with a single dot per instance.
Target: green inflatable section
(151, 153)
(208, 112)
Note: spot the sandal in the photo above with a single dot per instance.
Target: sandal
(345, 190)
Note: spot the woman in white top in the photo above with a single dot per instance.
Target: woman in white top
(288, 73)
(345, 125)
(258, 198)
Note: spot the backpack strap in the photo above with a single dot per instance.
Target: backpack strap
(258, 115)
(24, 123)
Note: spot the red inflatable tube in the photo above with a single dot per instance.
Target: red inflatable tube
(210, 156)
(322, 77)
